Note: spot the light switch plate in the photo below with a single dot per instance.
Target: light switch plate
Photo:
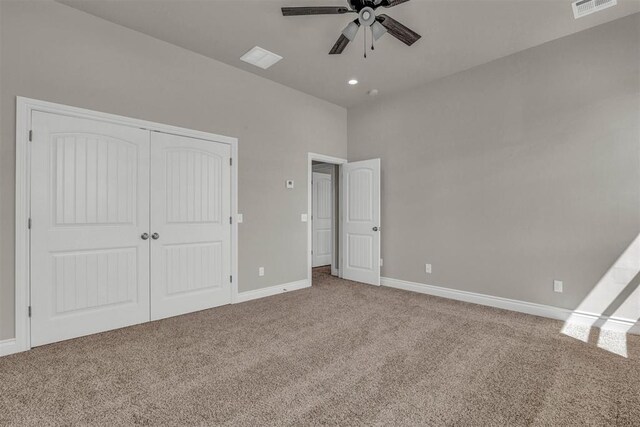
(261, 271)
(289, 183)
(240, 218)
(557, 286)
(304, 217)
(427, 268)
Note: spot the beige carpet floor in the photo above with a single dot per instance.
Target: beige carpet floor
(338, 353)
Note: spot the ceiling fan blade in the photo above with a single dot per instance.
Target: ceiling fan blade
(391, 3)
(398, 30)
(340, 45)
(318, 10)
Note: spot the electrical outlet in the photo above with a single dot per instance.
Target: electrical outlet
(304, 217)
(261, 271)
(557, 286)
(289, 183)
(427, 268)
(240, 219)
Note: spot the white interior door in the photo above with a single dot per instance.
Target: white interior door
(360, 232)
(321, 218)
(190, 225)
(89, 208)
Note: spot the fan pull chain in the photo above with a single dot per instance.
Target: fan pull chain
(365, 43)
(373, 39)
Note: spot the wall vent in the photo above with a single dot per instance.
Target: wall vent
(587, 7)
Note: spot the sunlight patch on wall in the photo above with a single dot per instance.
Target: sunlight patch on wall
(607, 307)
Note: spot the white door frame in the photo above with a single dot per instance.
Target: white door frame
(334, 161)
(24, 108)
(329, 176)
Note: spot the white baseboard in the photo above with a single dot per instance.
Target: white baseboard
(617, 324)
(272, 290)
(574, 317)
(8, 347)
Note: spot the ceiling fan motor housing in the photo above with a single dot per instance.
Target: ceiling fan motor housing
(358, 5)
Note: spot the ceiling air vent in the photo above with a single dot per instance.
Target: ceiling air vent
(587, 7)
(261, 57)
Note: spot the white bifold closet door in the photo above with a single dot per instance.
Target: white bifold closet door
(89, 207)
(128, 226)
(190, 225)
(322, 213)
(360, 233)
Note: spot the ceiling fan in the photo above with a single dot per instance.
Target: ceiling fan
(366, 10)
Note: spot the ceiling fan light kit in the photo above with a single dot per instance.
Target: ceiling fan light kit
(366, 10)
(378, 30)
(351, 30)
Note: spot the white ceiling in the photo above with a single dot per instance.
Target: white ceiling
(456, 35)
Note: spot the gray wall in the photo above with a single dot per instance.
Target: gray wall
(514, 173)
(504, 177)
(55, 53)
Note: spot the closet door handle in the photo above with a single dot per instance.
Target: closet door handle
(155, 236)
(144, 236)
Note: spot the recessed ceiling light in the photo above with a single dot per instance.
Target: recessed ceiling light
(353, 82)
(260, 57)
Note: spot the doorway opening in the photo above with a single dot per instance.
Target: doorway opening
(324, 214)
(324, 224)
(344, 231)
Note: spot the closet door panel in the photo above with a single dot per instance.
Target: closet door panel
(89, 209)
(191, 231)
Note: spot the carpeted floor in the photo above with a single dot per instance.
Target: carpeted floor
(338, 353)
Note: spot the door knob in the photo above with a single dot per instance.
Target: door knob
(144, 236)
(155, 236)
(375, 228)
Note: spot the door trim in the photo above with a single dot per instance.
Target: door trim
(311, 157)
(314, 217)
(24, 108)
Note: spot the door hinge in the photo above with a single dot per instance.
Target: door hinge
(29, 223)
(230, 161)
(30, 135)
(29, 311)
(230, 220)
(231, 279)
